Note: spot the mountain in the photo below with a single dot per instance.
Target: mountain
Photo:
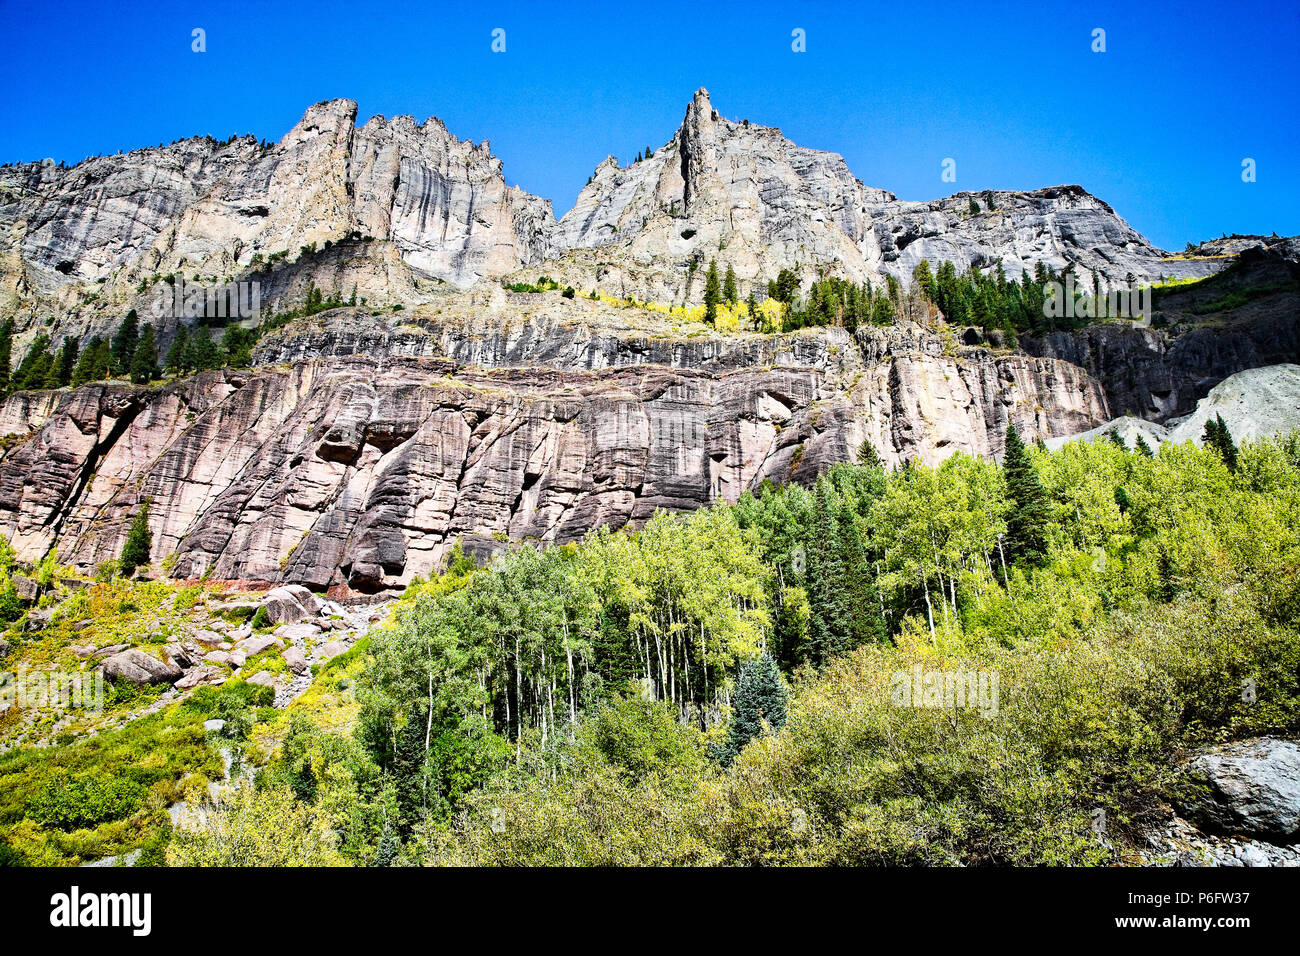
(85, 244)
(458, 398)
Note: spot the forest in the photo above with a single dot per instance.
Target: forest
(719, 687)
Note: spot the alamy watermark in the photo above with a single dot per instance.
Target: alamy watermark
(234, 300)
(52, 690)
(946, 689)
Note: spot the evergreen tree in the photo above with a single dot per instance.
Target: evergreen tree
(201, 353)
(144, 364)
(1143, 447)
(712, 294)
(33, 371)
(93, 363)
(1114, 437)
(868, 456)
(729, 292)
(178, 353)
(6, 353)
(761, 695)
(67, 360)
(1027, 523)
(1218, 437)
(124, 343)
(135, 552)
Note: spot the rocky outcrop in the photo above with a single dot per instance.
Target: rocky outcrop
(750, 198)
(357, 473)
(136, 667)
(412, 206)
(1250, 788)
(1257, 403)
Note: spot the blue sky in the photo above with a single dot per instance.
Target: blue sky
(1157, 126)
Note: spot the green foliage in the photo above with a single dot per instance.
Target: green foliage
(759, 705)
(135, 552)
(1027, 522)
(712, 294)
(1218, 437)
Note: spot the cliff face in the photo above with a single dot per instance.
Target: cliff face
(769, 204)
(84, 245)
(359, 472)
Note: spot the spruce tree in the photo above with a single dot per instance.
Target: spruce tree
(1143, 447)
(761, 695)
(6, 353)
(135, 552)
(1116, 438)
(124, 342)
(178, 353)
(712, 294)
(144, 364)
(729, 292)
(1027, 523)
(868, 457)
(1218, 437)
(201, 353)
(67, 360)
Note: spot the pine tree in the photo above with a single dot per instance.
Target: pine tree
(33, 371)
(761, 696)
(144, 364)
(868, 457)
(712, 294)
(6, 353)
(1116, 439)
(178, 353)
(124, 343)
(67, 360)
(1143, 447)
(93, 362)
(729, 292)
(1218, 437)
(1027, 523)
(138, 542)
(201, 353)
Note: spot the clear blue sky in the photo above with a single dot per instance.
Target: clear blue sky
(1158, 125)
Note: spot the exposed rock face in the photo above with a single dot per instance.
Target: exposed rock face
(1251, 787)
(137, 667)
(81, 240)
(86, 244)
(360, 472)
(1256, 403)
(770, 204)
(1160, 373)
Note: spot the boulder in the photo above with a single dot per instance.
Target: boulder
(83, 651)
(110, 650)
(214, 726)
(263, 679)
(178, 655)
(296, 659)
(208, 638)
(38, 618)
(28, 591)
(197, 676)
(237, 659)
(298, 633)
(332, 649)
(217, 657)
(1251, 788)
(5, 648)
(290, 603)
(137, 667)
(256, 645)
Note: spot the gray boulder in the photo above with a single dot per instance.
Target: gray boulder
(296, 659)
(178, 655)
(28, 590)
(298, 633)
(255, 645)
(263, 679)
(137, 667)
(290, 604)
(332, 649)
(4, 648)
(1251, 788)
